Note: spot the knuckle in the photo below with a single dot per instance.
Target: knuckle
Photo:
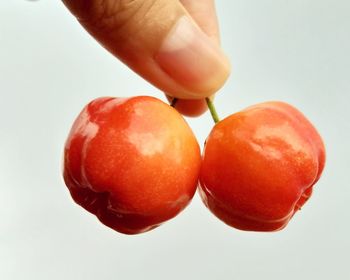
(122, 22)
(116, 14)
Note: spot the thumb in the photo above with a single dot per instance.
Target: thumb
(158, 40)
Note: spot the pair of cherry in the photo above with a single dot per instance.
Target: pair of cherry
(135, 163)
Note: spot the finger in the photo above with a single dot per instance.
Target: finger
(204, 13)
(189, 107)
(159, 40)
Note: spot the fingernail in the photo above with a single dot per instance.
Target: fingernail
(192, 59)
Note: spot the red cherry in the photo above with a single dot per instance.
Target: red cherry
(260, 165)
(133, 162)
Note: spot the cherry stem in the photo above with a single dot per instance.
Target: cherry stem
(212, 110)
(173, 102)
(210, 104)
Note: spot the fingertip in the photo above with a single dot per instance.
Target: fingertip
(190, 107)
(193, 59)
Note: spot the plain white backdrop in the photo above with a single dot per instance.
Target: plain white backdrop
(296, 51)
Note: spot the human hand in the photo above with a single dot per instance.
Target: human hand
(172, 44)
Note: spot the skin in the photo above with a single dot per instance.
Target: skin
(148, 22)
(132, 162)
(260, 165)
(204, 14)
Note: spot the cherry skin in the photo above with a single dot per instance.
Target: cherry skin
(260, 165)
(133, 162)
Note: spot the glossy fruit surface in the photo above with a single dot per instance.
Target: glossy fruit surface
(133, 162)
(259, 166)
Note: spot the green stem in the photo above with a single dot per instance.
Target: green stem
(212, 110)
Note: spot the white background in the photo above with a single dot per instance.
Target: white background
(296, 51)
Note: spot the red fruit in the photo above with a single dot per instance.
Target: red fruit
(133, 162)
(259, 166)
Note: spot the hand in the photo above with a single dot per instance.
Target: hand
(172, 44)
